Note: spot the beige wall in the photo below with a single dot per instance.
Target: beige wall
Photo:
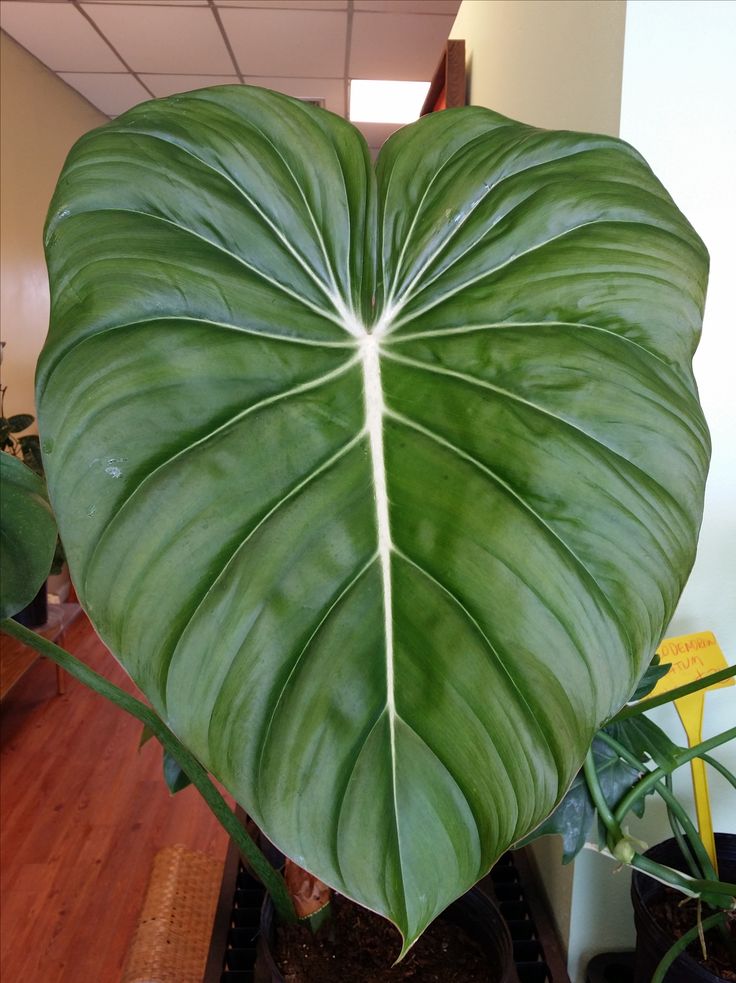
(41, 118)
(552, 63)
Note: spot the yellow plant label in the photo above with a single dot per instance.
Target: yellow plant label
(694, 657)
(691, 657)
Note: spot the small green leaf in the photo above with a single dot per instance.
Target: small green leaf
(319, 918)
(21, 421)
(645, 740)
(174, 775)
(57, 563)
(655, 671)
(30, 448)
(27, 535)
(146, 735)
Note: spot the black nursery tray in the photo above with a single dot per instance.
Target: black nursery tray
(538, 954)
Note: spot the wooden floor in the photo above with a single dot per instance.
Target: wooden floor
(83, 814)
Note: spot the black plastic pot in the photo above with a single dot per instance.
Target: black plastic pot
(652, 941)
(474, 912)
(35, 614)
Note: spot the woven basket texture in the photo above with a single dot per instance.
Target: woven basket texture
(172, 938)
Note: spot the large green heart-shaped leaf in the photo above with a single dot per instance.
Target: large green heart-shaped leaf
(383, 488)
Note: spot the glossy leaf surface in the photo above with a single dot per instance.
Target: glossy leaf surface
(573, 818)
(27, 535)
(383, 488)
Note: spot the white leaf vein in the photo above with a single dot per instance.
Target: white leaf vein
(304, 387)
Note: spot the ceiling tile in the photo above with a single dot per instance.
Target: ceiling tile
(168, 85)
(289, 4)
(331, 90)
(59, 36)
(299, 43)
(397, 46)
(171, 39)
(112, 93)
(450, 7)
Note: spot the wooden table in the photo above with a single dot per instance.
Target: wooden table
(16, 658)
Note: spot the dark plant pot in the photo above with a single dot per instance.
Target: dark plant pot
(610, 967)
(652, 941)
(474, 912)
(35, 614)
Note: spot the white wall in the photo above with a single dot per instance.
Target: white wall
(679, 94)
(678, 105)
(679, 109)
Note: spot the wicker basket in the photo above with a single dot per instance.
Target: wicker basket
(172, 938)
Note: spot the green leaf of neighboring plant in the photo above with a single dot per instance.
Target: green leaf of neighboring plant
(319, 918)
(645, 740)
(21, 421)
(57, 564)
(174, 775)
(427, 470)
(30, 449)
(655, 672)
(573, 817)
(27, 535)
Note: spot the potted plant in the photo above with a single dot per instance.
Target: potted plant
(424, 463)
(684, 900)
(25, 447)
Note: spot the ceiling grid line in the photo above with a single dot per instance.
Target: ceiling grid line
(348, 44)
(116, 53)
(78, 7)
(216, 14)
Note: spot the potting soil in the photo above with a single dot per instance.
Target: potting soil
(358, 946)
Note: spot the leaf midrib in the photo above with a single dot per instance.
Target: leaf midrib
(374, 417)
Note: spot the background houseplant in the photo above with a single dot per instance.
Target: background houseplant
(484, 362)
(630, 759)
(28, 535)
(26, 447)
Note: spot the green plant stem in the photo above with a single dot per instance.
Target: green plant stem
(596, 793)
(682, 943)
(719, 894)
(704, 861)
(272, 880)
(674, 694)
(673, 806)
(686, 754)
(677, 830)
(720, 768)
(713, 891)
(706, 867)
